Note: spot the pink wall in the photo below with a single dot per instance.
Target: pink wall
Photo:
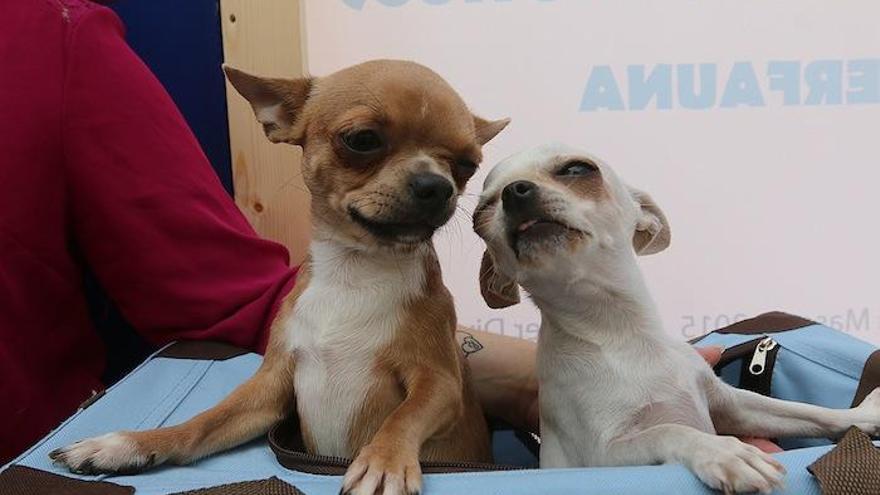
(771, 189)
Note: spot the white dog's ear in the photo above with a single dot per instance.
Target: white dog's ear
(499, 290)
(652, 233)
(276, 102)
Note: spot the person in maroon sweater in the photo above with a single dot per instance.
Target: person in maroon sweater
(99, 169)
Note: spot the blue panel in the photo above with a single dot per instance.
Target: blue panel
(182, 44)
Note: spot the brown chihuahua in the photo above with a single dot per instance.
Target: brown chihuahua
(363, 348)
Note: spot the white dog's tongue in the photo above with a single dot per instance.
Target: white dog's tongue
(525, 226)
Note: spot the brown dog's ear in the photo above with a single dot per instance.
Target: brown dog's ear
(652, 233)
(486, 130)
(276, 102)
(498, 289)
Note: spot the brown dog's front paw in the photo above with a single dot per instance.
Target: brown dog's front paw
(385, 471)
(113, 453)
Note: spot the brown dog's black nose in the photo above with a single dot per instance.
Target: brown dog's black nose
(518, 195)
(430, 190)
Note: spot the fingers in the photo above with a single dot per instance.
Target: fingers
(712, 354)
(763, 444)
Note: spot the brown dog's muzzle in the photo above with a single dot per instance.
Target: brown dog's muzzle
(430, 193)
(426, 205)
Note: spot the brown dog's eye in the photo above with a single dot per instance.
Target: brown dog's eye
(363, 142)
(576, 168)
(465, 168)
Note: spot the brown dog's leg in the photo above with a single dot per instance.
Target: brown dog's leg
(391, 460)
(248, 412)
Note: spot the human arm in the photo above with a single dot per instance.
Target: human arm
(504, 375)
(148, 213)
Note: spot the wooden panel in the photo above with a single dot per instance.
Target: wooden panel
(265, 37)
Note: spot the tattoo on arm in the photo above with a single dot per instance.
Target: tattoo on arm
(470, 344)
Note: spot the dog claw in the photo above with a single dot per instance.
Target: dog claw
(86, 468)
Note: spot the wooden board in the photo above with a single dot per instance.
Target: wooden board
(266, 37)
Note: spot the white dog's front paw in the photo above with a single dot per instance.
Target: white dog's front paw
(732, 466)
(113, 453)
(868, 413)
(869, 410)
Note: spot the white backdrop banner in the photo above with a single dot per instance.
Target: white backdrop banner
(754, 124)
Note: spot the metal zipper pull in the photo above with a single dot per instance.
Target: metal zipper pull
(759, 359)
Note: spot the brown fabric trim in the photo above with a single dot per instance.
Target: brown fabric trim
(737, 352)
(773, 322)
(22, 480)
(271, 486)
(870, 378)
(193, 349)
(285, 439)
(851, 468)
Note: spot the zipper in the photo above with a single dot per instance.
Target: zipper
(759, 359)
(757, 372)
(286, 442)
(327, 465)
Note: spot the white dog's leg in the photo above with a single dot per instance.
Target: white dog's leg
(740, 412)
(723, 463)
(552, 455)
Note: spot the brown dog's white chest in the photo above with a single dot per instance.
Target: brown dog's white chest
(349, 314)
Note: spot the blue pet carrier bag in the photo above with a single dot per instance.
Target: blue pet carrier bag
(800, 360)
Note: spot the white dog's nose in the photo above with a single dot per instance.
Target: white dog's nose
(517, 195)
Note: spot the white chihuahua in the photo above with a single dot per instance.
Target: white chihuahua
(615, 389)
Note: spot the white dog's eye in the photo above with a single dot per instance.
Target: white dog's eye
(576, 168)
